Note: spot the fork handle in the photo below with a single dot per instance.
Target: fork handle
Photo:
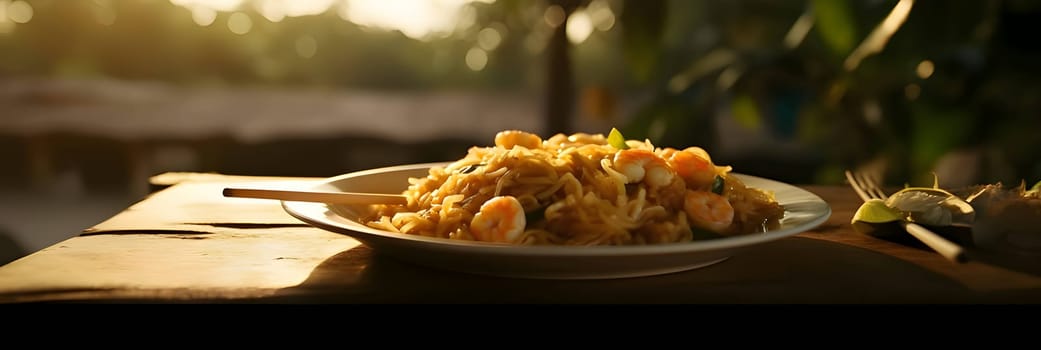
(951, 251)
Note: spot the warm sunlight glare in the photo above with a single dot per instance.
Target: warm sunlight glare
(218, 5)
(276, 10)
(273, 10)
(418, 19)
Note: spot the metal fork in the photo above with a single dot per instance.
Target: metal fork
(867, 188)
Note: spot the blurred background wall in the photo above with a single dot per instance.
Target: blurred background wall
(98, 95)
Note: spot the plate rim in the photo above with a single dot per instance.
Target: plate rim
(301, 210)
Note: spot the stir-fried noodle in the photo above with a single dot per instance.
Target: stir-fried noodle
(579, 189)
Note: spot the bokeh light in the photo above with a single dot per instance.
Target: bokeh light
(912, 91)
(476, 59)
(239, 23)
(554, 16)
(925, 69)
(203, 16)
(579, 27)
(489, 38)
(20, 12)
(601, 15)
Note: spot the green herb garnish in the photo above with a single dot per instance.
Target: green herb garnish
(616, 139)
(470, 168)
(717, 185)
(535, 215)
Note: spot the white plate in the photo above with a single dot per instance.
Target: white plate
(803, 211)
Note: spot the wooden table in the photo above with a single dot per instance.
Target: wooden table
(185, 243)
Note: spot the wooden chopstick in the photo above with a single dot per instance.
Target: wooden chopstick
(948, 249)
(316, 196)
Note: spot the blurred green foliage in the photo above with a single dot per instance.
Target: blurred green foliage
(949, 79)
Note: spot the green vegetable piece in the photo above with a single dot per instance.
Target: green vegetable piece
(717, 185)
(535, 215)
(470, 168)
(616, 139)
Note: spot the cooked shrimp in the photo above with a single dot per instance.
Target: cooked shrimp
(501, 219)
(509, 138)
(699, 151)
(696, 170)
(708, 210)
(643, 165)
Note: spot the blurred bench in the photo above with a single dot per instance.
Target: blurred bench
(149, 128)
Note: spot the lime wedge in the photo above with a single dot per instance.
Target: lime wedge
(871, 216)
(616, 139)
(876, 211)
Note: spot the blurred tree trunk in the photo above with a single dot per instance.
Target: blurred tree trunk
(560, 89)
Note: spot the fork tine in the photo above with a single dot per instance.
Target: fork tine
(872, 187)
(857, 187)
